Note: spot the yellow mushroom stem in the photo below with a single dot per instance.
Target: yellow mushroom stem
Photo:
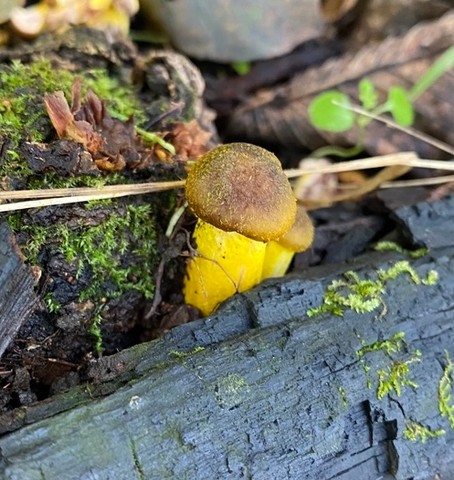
(225, 263)
(279, 254)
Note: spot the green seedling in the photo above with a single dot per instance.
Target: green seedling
(332, 110)
(241, 68)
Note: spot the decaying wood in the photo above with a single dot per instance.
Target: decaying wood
(280, 114)
(260, 390)
(17, 296)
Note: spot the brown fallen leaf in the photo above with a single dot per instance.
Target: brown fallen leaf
(280, 115)
(112, 143)
(319, 190)
(379, 19)
(189, 139)
(334, 10)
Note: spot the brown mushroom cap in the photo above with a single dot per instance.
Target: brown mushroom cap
(300, 237)
(241, 187)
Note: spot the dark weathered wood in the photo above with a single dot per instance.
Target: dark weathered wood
(271, 393)
(428, 224)
(17, 297)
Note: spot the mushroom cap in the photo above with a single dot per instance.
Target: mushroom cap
(300, 236)
(241, 187)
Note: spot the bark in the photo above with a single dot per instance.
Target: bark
(17, 297)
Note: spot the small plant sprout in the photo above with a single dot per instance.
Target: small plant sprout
(279, 254)
(243, 200)
(333, 110)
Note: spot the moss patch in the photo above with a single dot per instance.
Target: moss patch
(416, 432)
(365, 295)
(396, 375)
(386, 246)
(113, 244)
(22, 113)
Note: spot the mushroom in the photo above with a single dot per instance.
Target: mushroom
(111, 16)
(242, 199)
(279, 254)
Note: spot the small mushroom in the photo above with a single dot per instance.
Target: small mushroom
(279, 254)
(242, 199)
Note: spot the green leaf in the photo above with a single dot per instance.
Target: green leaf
(327, 112)
(367, 94)
(241, 68)
(400, 106)
(442, 64)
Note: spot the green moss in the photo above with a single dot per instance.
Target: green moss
(365, 295)
(353, 293)
(390, 346)
(52, 304)
(415, 432)
(395, 376)
(183, 355)
(137, 464)
(404, 267)
(445, 386)
(96, 250)
(23, 116)
(95, 329)
(343, 395)
(99, 250)
(386, 246)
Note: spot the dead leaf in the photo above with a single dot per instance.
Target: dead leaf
(189, 139)
(280, 115)
(380, 19)
(354, 191)
(112, 143)
(333, 10)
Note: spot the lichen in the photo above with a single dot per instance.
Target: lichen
(230, 390)
(445, 386)
(415, 431)
(365, 295)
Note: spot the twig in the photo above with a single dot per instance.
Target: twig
(62, 196)
(408, 159)
(410, 131)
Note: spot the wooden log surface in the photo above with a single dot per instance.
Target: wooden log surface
(17, 296)
(261, 390)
